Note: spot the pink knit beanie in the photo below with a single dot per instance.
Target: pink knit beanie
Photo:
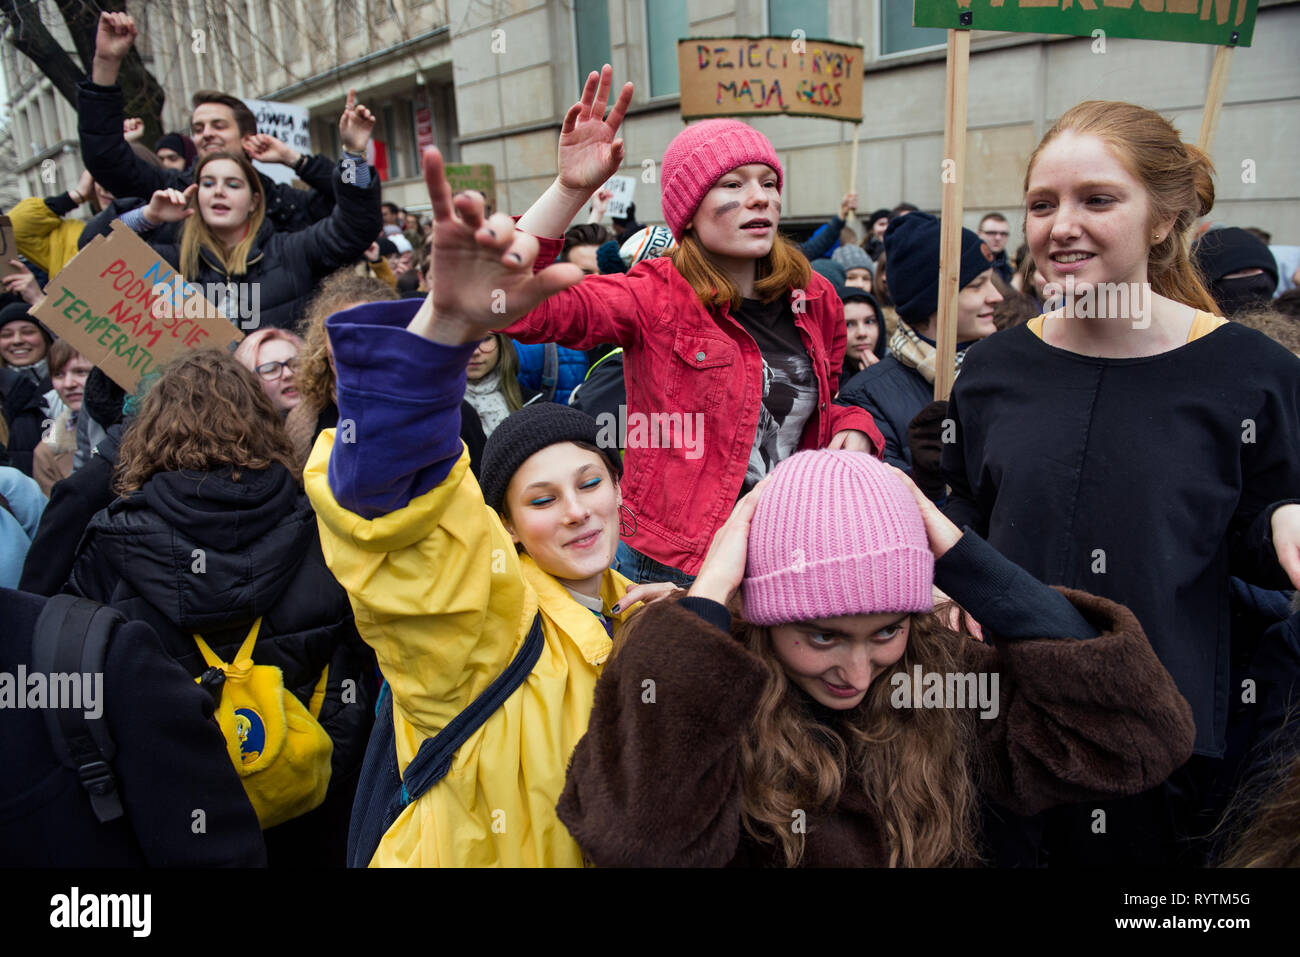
(702, 154)
(835, 533)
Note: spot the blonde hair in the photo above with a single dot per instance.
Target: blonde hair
(1178, 178)
(251, 346)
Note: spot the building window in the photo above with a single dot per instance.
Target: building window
(786, 16)
(897, 35)
(666, 23)
(591, 36)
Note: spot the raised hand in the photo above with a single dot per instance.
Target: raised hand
(589, 153)
(939, 529)
(724, 565)
(849, 204)
(116, 34)
(132, 129)
(22, 283)
(355, 125)
(170, 205)
(85, 188)
(600, 206)
(265, 148)
(480, 270)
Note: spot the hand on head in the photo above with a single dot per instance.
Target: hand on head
(724, 565)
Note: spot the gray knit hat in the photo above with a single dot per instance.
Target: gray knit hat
(531, 429)
(854, 257)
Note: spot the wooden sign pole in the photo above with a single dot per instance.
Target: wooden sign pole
(1214, 98)
(853, 166)
(954, 174)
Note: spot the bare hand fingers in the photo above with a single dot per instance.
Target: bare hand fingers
(435, 180)
(602, 92)
(497, 232)
(588, 95)
(620, 107)
(471, 208)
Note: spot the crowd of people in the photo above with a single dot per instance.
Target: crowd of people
(543, 541)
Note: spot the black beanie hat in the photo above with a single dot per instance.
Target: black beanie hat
(531, 429)
(912, 264)
(170, 141)
(18, 312)
(1223, 251)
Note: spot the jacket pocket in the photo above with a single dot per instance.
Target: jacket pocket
(700, 369)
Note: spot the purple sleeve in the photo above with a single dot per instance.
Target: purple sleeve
(399, 398)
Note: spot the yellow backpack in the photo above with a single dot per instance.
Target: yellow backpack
(278, 747)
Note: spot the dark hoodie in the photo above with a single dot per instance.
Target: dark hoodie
(197, 552)
(73, 502)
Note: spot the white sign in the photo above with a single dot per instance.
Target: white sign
(286, 122)
(622, 187)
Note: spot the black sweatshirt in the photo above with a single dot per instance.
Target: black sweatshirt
(1148, 481)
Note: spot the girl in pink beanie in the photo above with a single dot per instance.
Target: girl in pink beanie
(732, 345)
(805, 706)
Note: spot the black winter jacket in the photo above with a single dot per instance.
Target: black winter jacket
(24, 409)
(73, 503)
(171, 760)
(893, 393)
(100, 111)
(200, 553)
(287, 266)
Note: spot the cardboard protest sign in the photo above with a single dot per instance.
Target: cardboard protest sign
(286, 122)
(479, 176)
(1221, 22)
(622, 187)
(743, 76)
(126, 310)
(8, 247)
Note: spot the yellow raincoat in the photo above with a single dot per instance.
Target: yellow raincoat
(445, 601)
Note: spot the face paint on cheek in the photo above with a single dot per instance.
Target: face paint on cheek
(724, 209)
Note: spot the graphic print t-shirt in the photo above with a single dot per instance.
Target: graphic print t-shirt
(789, 386)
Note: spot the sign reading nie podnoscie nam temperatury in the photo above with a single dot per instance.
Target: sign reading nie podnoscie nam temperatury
(743, 76)
(1220, 22)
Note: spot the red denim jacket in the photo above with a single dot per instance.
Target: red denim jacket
(679, 360)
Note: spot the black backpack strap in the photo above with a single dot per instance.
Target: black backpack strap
(550, 370)
(383, 792)
(72, 636)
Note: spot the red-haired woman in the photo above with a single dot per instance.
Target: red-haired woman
(1132, 442)
(733, 346)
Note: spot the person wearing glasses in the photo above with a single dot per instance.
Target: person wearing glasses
(272, 354)
(492, 381)
(995, 230)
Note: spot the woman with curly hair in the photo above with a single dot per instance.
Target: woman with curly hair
(212, 532)
(855, 728)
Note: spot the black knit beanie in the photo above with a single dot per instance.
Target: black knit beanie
(528, 431)
(18, 312)
(912, 264)
(1223, 251)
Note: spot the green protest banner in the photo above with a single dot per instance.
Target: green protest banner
(481, 177)
(1219, 22)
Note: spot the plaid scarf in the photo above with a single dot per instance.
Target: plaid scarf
(915, 353)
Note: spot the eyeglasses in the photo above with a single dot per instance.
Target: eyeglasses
(273, 370)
